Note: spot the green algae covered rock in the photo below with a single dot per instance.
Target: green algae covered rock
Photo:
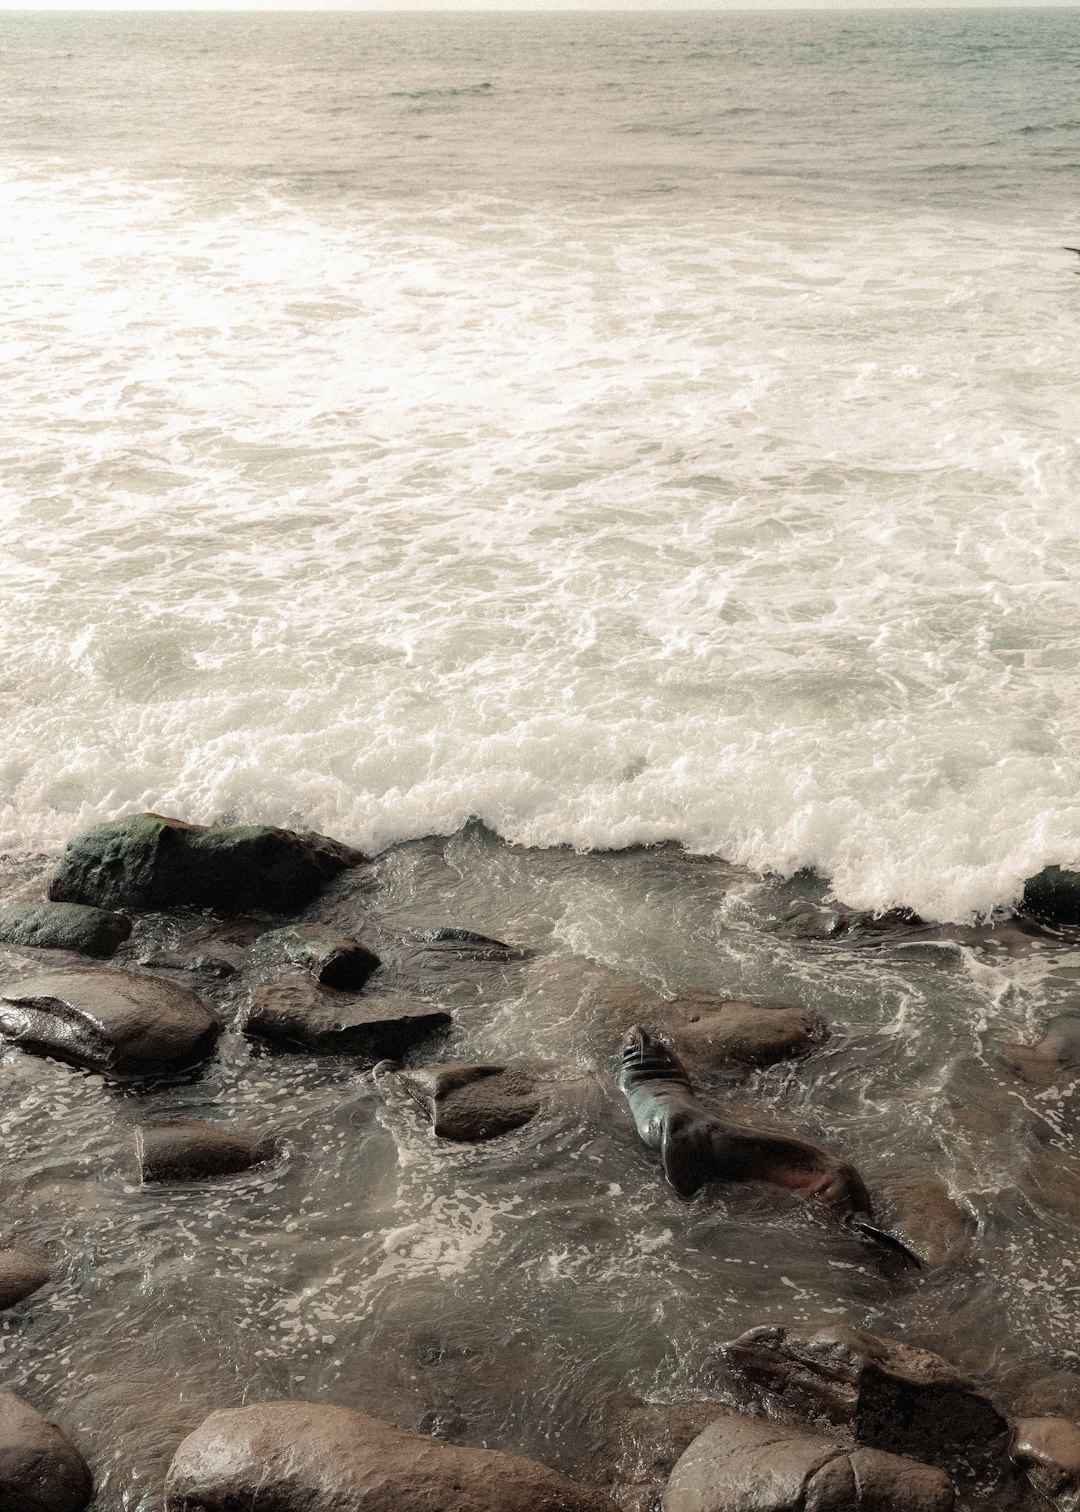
(64, 926)
(147, 861)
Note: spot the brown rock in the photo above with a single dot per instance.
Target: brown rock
(190, 1149)
(887, 1395)
(300, 1012)
(927, 1217)
(40, 1468)
(746, 1464)
(22, 1272)
(643, 1440)
(1053, 1060)
(330, 956)
(711, 1031)
(1047, 1449)
(472, 1102)
(299, 1457)
(122, 1023)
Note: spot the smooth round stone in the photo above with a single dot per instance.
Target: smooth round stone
(40, 1468)
(190, 1149)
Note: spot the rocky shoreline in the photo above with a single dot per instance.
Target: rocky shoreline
(162, 942)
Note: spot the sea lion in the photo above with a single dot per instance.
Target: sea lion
(696, 1147)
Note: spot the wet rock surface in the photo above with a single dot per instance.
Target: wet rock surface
(121, 1023)
(1047, 1449)
(712, 1031)
(149, 861)
(188, 1149)
(887, 1395)
(23, 1271)
(331, 957)
(1054, 895)
(301, 1457)
(746, 1464)
(40, 1468)
(303, 1014)
(930, 1220)
(64, 926)
(1052, 1060)
(471, 1102)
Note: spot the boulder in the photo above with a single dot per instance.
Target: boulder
(121, 1023)
(715, 1031)
(147, 861)
(1053, 1060)
(22, 1271)
(746, 1464)
(40, 1468)
(332, 958)
(1047, 1449)
(887, 1395)
(1054, 895)
(300, 1457)
(318, 1018)
(191, 1149)
(925, 1215)
(470, 1102)
(64, 926)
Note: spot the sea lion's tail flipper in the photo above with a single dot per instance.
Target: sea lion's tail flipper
(888, 1241)
(686, 1152)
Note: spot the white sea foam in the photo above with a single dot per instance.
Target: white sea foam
(607, 512)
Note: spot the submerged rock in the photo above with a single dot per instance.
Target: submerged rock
(122, 1023)
(303, 1014)
(887, 1395)
(448, 943)
(466, 1101)
(1054, 895)
(745, 1464)
(331, 957)
(301, 1457)
(929, 1220)
(147, 861)
(1052, 1060)
(40, 1468)
(64, 926)
(715, 1031)
(191, 1149)
(22, 1272)
(1047, 1449)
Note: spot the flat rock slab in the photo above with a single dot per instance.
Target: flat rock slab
(745, 1464)
(64, 926)
(148, 861)
(300, 1457)
(1047, 1449)
(121, 1023)
(445, 944)
(887, 1395)
(190, 1149)
(40, 1468)
(22, 1272)
(471, 1102)
(331, 957)
(302, 1013)
(713, 1031)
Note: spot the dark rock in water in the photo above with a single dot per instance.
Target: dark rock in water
(1052, 1060)
(148, 861)
(318, 1018)
(929, 1220)
(121, 1023)
(1047, 1449)
(40, 1468)
(753, 1465)
(22, 1271)
(332, 958)
(191, 1149)
(64, 926)
(1054, 895)
(812, 921)
(888, 1395)
(451, 944)
(300, 1457)
(472, 1102)
(176, 960)
(715, 1031)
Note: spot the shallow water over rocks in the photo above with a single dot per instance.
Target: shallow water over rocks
(521, 1292)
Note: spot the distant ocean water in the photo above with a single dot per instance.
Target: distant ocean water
(619, 428)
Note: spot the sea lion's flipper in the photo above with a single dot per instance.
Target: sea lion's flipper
(888, 1241)
(686, 1152)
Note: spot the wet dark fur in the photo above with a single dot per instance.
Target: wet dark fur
(696, 1147)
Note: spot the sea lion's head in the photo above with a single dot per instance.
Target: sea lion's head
(645, 1056)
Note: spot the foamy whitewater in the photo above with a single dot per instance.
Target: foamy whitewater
(618, 428)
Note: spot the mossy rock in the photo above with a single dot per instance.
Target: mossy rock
(64, 926)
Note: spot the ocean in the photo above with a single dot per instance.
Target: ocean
(614, 428)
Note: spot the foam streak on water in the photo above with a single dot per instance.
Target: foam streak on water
(410, 419)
